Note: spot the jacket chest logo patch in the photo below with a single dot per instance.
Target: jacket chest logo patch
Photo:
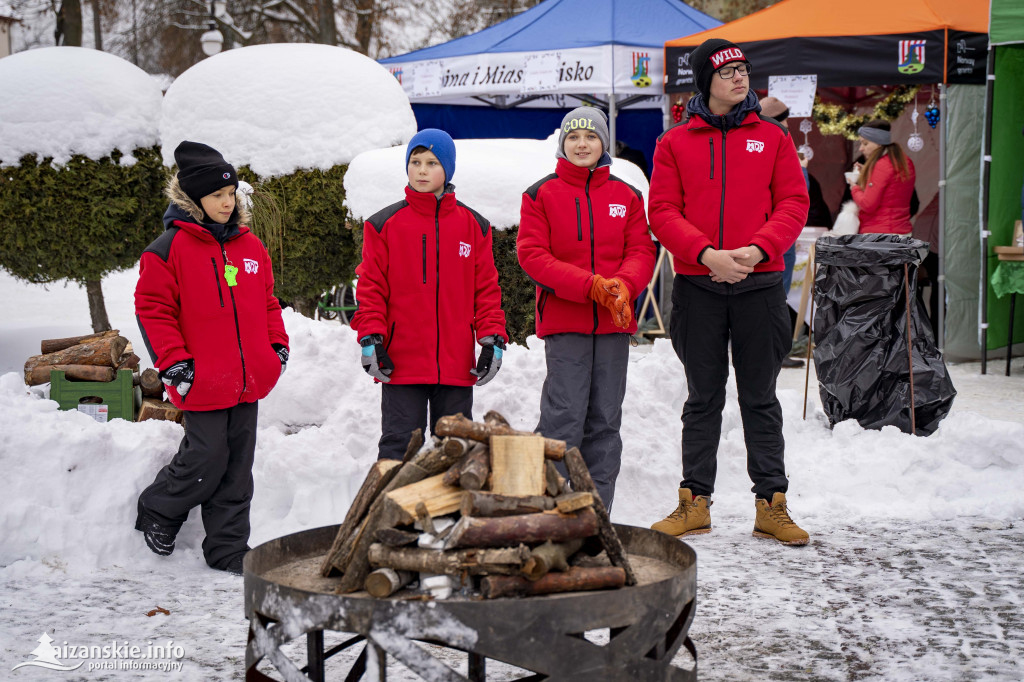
(616, 210)
(251, 266)
(755, 146)
(464, 249)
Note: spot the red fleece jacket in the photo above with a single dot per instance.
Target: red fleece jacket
(428, 285)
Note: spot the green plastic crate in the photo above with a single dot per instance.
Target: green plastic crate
(119, 399)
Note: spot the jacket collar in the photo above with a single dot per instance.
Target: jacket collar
(577, 176)
(428, 204)
(176, 216)
(743, 113)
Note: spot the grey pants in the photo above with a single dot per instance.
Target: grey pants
(581, 402)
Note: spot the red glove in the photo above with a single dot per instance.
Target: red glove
(613, 294)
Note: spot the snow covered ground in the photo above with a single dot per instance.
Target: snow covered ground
(915, 570)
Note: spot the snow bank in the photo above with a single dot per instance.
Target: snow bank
(61, 101)
(282, 107)
(490, 176)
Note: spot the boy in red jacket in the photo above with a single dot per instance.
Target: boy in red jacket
(206, 308)
(728, 198)
(428, 292)
(583, 240)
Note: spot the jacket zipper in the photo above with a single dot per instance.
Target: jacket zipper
(711, 155)
(424, 259)
(721, 208)
(590, 210)
(391, 337)
(238, 330)
(540, 305)
(437, 286)
(216, 281)
(579, 221)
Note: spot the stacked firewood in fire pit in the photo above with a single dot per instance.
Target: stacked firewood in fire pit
(483, 510)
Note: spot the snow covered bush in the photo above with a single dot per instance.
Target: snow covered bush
(80, 173)
(291, 117)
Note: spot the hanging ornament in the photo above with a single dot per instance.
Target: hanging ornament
(678, 109)
(932, 112)
(914, 142)
(805, 127)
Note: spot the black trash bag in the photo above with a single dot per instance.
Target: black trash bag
(860, 335)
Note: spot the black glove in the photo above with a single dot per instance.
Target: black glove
(489, 362)
(282, 355)
(375, 359)
(180, 375)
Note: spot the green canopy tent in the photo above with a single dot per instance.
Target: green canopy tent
(1002, 166)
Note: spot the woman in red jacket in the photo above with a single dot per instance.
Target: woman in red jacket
(583, 240)
(885, 183)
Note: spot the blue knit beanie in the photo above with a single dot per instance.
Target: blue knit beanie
(440, 143)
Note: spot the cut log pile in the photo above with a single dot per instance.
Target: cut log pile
(482, 510)
(98, 357)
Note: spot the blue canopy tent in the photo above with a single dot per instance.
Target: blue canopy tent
(517, 78)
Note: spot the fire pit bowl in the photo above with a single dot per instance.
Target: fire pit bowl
(285, 598)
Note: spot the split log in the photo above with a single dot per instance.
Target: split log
(551, 556)
(395, 537)
(384, 582)
(352, 558)
(41, 374)
(439, 499)
(494, 417)
(104, 351)
(423, 516)
(159, 409)
(582, 482)
(574, 580)
(415, 443)
(517, 465)
(128, 361)
(380, 475)
(151, 385)
(458, 425)
(510, 530)
(474, 561)
(487, 505)
(571, 502)
(475, 468)
(54, 345)
(553, 481)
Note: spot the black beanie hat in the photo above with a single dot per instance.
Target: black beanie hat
(709, 56)
(202, 170)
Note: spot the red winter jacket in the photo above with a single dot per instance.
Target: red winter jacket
(186, 309)
(885, 203)
(727, 189)
(428, 285)
(576, 223)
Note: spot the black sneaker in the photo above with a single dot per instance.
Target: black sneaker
(235, 565)
(158, 538)
(791, 362)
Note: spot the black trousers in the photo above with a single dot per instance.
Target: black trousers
(581, 402)
(702, 326)
(403, 409)
(212, 468)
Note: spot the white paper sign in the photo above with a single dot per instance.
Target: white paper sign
(97, 412)
(426, 79)
(540, 72)
(796, 92)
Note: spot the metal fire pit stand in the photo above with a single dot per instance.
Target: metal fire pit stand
(286, 598)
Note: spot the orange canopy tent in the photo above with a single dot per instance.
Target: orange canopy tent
(868, 42)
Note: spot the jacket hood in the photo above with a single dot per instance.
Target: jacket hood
(697, 106)
(189, 210)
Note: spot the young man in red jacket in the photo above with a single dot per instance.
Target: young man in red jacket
(206, 308)
(428, 292)
(728, 199)
(583, 240)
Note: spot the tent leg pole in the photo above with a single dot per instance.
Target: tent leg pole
(986, 164)
(943, 113)
(612, 113)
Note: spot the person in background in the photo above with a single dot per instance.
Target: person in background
(428, 291)
(635, 156)
(583, 240)
(885, 184)
(207, 312)
(728, 198)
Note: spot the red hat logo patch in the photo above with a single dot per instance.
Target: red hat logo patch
(729, 54)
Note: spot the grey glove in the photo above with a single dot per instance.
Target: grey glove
(489, 362)
(180, 375)
(375, 359)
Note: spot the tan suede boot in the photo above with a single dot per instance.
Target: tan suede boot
(691, 517)
(773, 522)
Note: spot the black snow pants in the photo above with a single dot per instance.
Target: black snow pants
(757, 324)
(403, 409)
(581, 402)
(212, 468)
